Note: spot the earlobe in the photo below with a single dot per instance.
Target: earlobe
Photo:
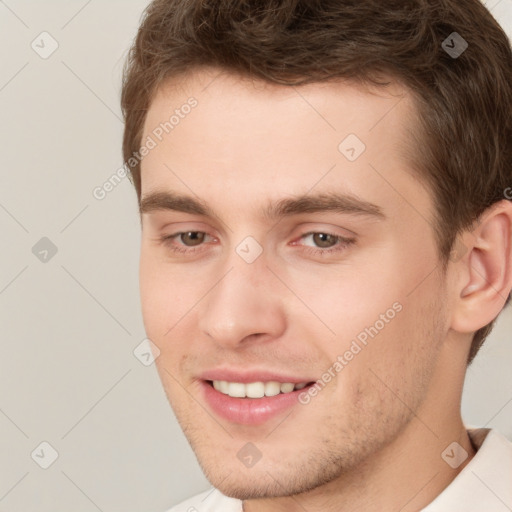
(485, 277)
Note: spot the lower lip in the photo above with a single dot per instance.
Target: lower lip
(249, 411)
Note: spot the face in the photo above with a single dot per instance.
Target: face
(282, 256)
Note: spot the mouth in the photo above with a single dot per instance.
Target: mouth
(251, 403)
(258, 389)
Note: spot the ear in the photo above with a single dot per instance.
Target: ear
(484, 279)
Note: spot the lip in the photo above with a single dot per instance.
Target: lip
(248, 411)
(252, 376)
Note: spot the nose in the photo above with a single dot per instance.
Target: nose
(243, 305)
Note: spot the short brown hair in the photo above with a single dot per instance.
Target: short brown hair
(463, 132)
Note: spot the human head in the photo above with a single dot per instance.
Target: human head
(462, 129)
(243, 142)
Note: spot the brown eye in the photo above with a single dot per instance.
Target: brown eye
(324, 239)
(192, 238)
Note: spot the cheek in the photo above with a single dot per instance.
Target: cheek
(386, 314)
(162, 294)
(169, 297)
(398, 362)
(151, 293)
(350, 297)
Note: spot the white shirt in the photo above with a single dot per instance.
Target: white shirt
(484, 485)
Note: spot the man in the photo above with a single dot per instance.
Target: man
(324, 190)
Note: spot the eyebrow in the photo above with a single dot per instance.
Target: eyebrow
(307, 203)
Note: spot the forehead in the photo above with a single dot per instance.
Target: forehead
(244, 135)
(364, 106)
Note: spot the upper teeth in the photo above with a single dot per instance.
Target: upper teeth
(255, 389)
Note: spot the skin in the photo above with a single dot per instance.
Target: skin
(373, 436)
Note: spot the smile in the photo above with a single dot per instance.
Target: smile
(251, 403)
(256, 389)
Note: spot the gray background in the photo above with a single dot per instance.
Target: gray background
(70, 324)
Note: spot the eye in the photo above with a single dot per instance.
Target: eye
(324, 240)
(192, 238)
(325, 243)
(191, 241)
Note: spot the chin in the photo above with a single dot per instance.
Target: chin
(288, 476)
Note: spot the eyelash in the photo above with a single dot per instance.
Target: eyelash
(342, 243)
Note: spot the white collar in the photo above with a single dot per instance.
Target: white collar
(485, 483)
